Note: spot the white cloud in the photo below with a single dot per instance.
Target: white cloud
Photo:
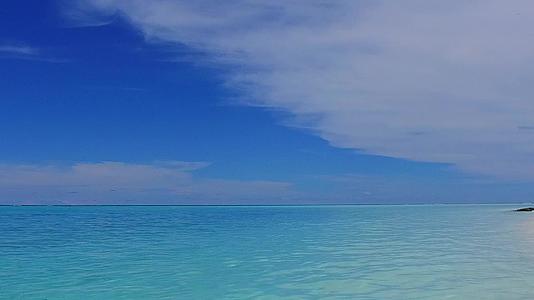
(18, 50)
(440, 81)
(124, 183)
(25, 52)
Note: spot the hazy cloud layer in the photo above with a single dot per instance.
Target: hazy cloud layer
(123, 183)
(440, 81)
(176, 183)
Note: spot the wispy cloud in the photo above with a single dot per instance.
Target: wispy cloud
(165, 182)
(369, 74)
(18, 50)
(24, 52)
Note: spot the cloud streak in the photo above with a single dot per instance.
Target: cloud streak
(368, 75)
(24, 52)
(124, 183)
(18, 50)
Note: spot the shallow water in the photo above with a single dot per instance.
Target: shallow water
(306, 252)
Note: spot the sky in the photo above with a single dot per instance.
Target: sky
(262, 102)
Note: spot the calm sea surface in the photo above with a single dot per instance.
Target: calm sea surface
(306, 252)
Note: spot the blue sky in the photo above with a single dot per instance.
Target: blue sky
(167, 102)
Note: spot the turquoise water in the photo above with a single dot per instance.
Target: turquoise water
(322, 252)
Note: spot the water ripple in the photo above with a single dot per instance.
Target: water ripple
(348, 252)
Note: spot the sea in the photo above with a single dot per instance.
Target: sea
(266, 252)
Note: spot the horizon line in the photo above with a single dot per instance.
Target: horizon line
(268, 205)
